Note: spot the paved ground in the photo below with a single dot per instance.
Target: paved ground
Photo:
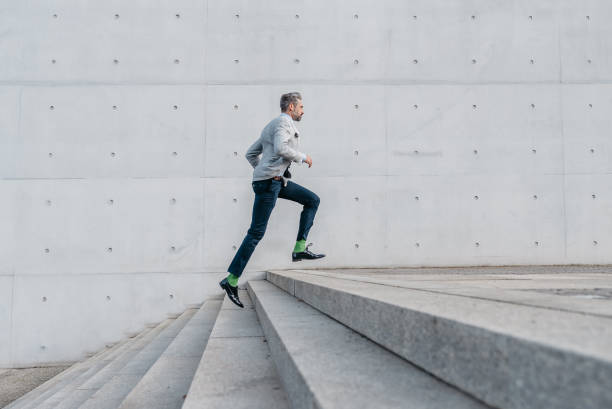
(15, 383)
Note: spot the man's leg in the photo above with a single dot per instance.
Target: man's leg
(266, 192)
(310, 201)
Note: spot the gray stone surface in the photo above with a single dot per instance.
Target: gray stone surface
(324, 364)
(236, 370)
(166, 383)
(49, 387)
(508, 354)
(49, 394)
(60, 397)
(525, 285)
(15, 383)
(116, 389)
(77, 393)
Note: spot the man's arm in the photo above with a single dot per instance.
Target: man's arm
(253, 153)
(282, 135)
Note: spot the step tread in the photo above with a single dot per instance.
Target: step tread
(168, 380)
(324, 364)
(236, 369)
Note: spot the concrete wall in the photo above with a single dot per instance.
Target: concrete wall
(443, 132)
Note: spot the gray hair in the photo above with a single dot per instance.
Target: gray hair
(290, 98)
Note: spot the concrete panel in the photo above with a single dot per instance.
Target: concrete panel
(272, 42)
(588, 207)
(6, 319)
(475, 219)
(85, 232)
(483, 129)
(77, 132)
(475, 41)
(65, 33)
(586, 41)
(9, 129)
(586, 125)
(80, 313)
(8, 214)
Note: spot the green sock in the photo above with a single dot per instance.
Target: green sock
(232, 280)
(300, 246)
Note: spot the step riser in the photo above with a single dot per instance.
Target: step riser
(496, 368)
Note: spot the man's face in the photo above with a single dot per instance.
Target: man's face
(296, 110)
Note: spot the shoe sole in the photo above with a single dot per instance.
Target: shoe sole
(300, 259)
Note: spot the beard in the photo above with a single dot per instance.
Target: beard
(298, 119)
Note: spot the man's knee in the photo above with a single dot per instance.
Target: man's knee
(256, 234)
(315, 201)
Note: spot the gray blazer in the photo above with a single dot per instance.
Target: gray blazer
(278, 148)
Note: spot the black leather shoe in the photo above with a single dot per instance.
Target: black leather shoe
(232, 292)
(306, 255)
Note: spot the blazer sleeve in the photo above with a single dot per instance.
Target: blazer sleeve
(281, 138)
(253, 153)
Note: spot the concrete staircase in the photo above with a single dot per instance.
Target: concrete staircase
(310, 339)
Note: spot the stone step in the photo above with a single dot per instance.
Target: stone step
(81, 391)
(34, 398)
(509, 355)
(123, 380)
(324, 364)
(59, 397)
(236, 370)
(166, 383)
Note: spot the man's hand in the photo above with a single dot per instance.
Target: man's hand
(308, 161)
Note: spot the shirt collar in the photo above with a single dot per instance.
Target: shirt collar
(287, 115)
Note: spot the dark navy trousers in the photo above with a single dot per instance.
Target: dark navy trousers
(266, 193)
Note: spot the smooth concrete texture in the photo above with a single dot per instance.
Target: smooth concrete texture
(455, 133)
(324, 364)
(114, 391)
(509, 353)
(165, 385)
(236, 370)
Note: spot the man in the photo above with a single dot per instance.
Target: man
(277, 146)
